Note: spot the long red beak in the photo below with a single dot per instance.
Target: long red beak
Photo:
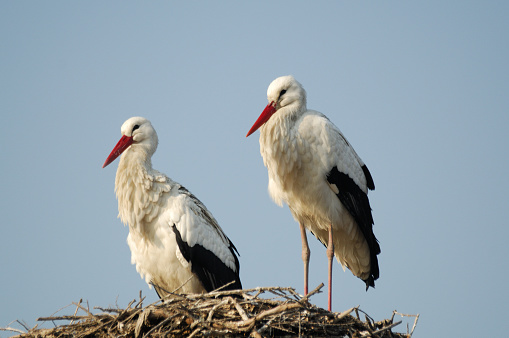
(264, 117)
(122, 144)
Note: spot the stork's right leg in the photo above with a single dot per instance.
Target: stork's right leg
(305, 256)
(330, 256)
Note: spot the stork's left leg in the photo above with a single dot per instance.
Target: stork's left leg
(305, 256)
(330, 256)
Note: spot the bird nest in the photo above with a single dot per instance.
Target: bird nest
(258, 312)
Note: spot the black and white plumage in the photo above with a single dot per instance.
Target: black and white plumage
(316, 172)
(175, 242)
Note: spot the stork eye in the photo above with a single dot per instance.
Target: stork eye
(134, 128)
(282, 93)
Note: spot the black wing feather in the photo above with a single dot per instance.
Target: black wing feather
(369, 179)
(357, 204)
(209, 269)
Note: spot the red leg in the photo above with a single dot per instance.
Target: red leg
(305, 256)
(330, 256)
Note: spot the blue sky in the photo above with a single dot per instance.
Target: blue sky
(419, 89)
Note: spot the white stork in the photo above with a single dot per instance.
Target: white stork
(175, 241)
(317, 173)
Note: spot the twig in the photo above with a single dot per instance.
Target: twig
(23, 324)
(211, 312)
(260, 316)
(11, 329)
(81, 307)
(158, 326)
(266, 325)
(75, 312)
(46, 319)
(181, 286)
(59, 311)
(130, 304)
(387, 327)
(346, 313)
(367, 316)
(140, 303)
(240, 310)
(316, 290)
(407, 315)
(108, 309)
(195, 332)
(223, 286)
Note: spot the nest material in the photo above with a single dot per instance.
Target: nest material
(238, 313)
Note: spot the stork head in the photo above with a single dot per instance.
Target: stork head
(284, 92)
(138, 134)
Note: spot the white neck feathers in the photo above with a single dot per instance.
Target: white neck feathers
(139, 189)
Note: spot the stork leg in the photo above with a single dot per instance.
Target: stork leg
(305, 256)
(330, 256)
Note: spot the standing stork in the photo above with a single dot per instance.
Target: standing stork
(317, 173)
(175, 241)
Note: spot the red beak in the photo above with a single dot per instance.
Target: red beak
(264, 117)
(122, 144)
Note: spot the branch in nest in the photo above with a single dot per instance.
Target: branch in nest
(282, 312)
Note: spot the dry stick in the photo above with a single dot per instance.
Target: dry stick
(140, 303)
(387, 327)
(278, 309)
(129, 305)
(316, 290)
(295, 294)
(233, 292)
(172, 293)
(45, 319)
(181, 286)
(211, 312)
(108, 309)
(23, 324)
(55, 313)
(266, 326)
(8, 328)
(81, 307)
(223, 286)
(240, 310)
(346, 313)
(415, 324)
(369, 323)
(196, 331)
(260, 316)
(406, 315)
(367, 316)
(257, 294)
(140, 322)
(95, 329)
(196, 321)
(11, 329)
(357, 313)
(75, 312)
(159, 325)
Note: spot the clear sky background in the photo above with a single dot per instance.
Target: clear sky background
(419, 88)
